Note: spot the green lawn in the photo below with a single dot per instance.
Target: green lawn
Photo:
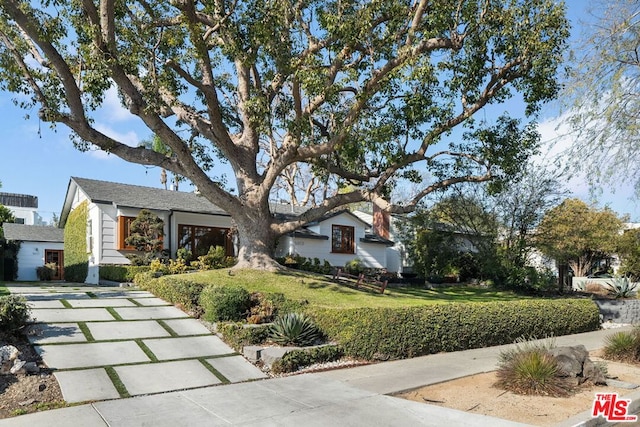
(322, 292)
(3, 290)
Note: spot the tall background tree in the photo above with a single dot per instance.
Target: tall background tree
(578, 235)
(360, 92)
(603, 96)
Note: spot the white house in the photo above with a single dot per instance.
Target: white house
(339, 238)
(192, 222)
(23, 207)
(39, 245)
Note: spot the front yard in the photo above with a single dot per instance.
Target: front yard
(319, 291)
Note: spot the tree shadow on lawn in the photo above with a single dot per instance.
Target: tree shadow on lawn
(458, 294)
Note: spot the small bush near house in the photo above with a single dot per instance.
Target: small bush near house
(225, 303)
(215, 258)
(237, 335)
(47, 271)
(296, 359)
(391, 333)
(294, 329)
(355, 266)
(14, 314)
(120, 273)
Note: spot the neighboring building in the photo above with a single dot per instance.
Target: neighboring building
(192, 222)
(39, 245)
(24, 208)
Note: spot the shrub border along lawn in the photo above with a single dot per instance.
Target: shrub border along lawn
(392, 333)
(401, 332)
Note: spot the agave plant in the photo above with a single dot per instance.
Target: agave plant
(294, 329)
(621, 287)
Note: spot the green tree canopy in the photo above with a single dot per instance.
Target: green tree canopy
(146, 233)
(360, 92)
(576, 234)
(629, 252)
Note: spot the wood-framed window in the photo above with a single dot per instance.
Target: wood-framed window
(124, 231)
(342, 239)
(198, 239)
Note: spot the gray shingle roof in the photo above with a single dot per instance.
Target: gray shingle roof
(136, 196)
(32, 233)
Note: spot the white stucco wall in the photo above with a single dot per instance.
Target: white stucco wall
(31, 256)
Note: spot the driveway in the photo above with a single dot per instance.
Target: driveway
(109, 343)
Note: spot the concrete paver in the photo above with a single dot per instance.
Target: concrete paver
(86, 384)
(187, 347)
(141, 313)
(55, 296)
(55, 333)
(46, 303)
(50, 315)
(187, 327)
(166, 376)
(236, 369)
(150, 301)
(102, 331)
(87, 355)
(101, 302)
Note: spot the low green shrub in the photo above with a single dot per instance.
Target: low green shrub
(226, 303)
(180, 291)
(414, 331)
(533, 371)
(120, 273)
(238, 336)
(296, 359)
(14, 314)
(294, 329)
(47, 271)
(623, 346)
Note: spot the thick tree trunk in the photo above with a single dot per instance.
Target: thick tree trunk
(256, 244)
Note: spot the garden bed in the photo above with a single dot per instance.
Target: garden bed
(476, 394)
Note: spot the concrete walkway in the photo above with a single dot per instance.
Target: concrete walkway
(346, 397)
(109, 343)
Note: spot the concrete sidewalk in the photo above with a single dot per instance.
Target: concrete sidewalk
(346, 397)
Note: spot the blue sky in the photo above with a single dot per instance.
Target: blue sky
(39, 161)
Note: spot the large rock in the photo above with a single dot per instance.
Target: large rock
(8, 354)
(574, 362)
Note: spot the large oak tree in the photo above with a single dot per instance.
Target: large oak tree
(359, 92)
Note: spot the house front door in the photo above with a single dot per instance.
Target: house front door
(53, 256)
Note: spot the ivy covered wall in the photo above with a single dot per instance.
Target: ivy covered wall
(76, 259)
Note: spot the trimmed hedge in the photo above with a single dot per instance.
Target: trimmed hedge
(226, 303)
(179, 291)
(391, 333)
(296, 359)
(237, 335)
(120, 272)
